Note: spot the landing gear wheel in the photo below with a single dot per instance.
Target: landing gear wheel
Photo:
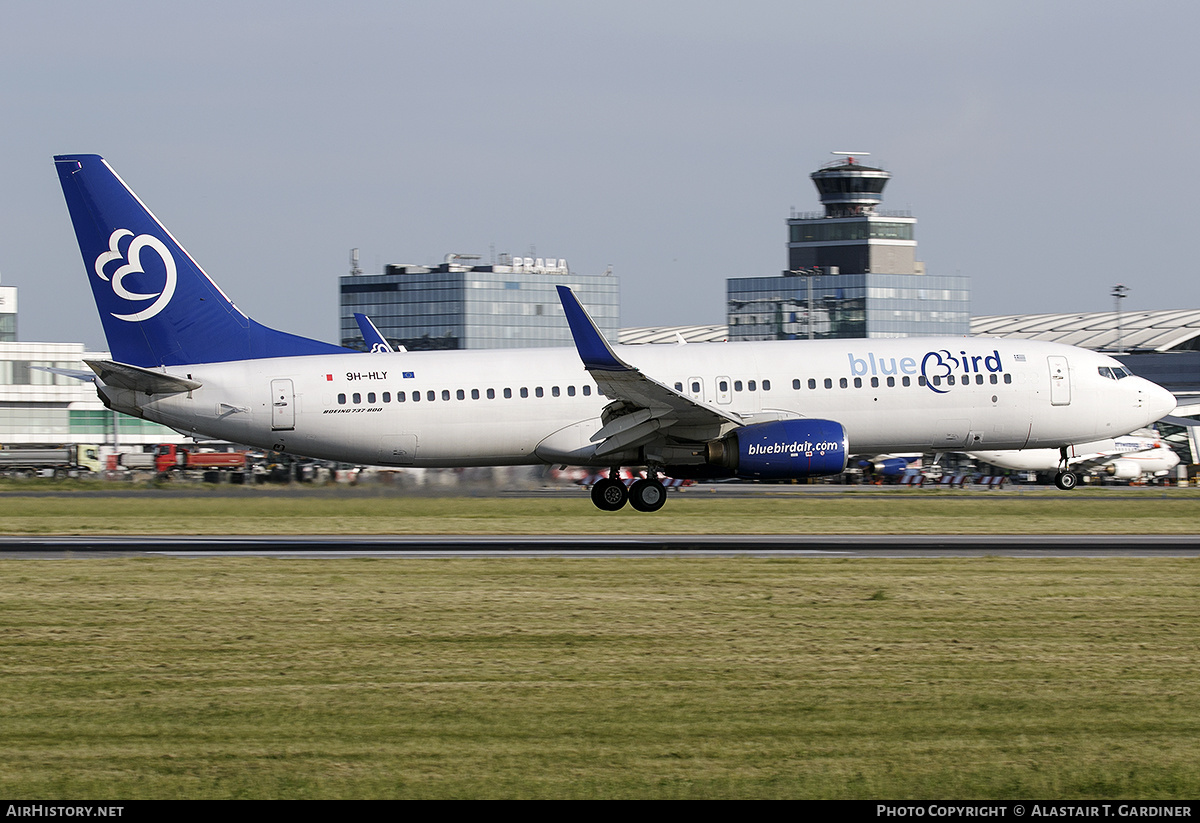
(1066, 480)
(647, 495)
(609, 495)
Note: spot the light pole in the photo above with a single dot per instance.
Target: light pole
(1119, 293)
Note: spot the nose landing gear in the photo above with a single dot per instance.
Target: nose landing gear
(1065, 479)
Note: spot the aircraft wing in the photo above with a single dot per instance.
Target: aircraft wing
(642, 409)
(1180, 421)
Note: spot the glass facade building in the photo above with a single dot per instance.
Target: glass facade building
(848, 305)
(510, 305)
(8, 314)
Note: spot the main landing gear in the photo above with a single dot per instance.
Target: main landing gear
(1065, 479)
(646, 495)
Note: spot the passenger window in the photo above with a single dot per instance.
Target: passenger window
(387, 397)
(416, 396)
(460, 394)
(766, 385)
(554, 391)
(724, 385)
(858, 382)
(874, 382)
(994, 379)
(920, 380)
(752, 386)
(401, 397)
(796, 383)
(341, 399)
(907, 381)
(431, 395)
(370, 397)
(474, 394)
(538, 391)
(508, 394)
(491, 394)
(1008, 378)
(844, 383)
(356, 397)
(891, 382)
(679, 387)
(445, 394)
(828, 383)
(979, 380)
(587, 391)
(570, 391)
(812, 383)
(695, 387)
(737, 385)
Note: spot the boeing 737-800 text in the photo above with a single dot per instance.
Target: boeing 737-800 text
(185, 356)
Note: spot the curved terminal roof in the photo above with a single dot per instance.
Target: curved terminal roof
(1141, 331)
(718, 333)
(1146, 331)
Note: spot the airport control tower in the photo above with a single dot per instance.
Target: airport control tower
(852, 271)
(852, 234)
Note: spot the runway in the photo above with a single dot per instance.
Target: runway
(430, 546)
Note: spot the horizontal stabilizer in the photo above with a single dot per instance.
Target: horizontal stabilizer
(77, 374)
(124, 376)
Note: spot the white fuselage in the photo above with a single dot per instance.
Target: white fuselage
(1134, 455)
(498, 407)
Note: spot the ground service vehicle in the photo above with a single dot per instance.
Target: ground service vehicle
(63, 461)
(170, 457)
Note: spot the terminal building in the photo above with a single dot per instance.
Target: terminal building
(40, 408)
(852, 272)
(461, 304)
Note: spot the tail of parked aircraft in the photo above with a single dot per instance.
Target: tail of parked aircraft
(157, 305)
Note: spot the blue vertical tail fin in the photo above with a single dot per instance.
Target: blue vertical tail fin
(157, 305)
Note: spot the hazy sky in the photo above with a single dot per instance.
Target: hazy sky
(1045, 147)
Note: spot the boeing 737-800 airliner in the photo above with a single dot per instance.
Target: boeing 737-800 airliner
(185, 356)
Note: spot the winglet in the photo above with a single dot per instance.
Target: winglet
(371, 335)
(593, 349)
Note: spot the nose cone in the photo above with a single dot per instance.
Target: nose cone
(1158, 400)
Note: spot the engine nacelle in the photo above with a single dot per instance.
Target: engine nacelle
(1124, 469)
(782, 449)
(891, 467)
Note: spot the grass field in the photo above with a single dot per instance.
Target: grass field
(695, 511)
(695, 678)
(649, 677)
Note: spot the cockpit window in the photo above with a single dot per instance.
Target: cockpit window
(1105, 371)
(1113, 372)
